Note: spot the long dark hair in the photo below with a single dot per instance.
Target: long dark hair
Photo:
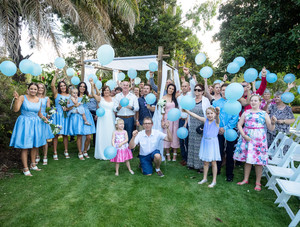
(103, 89)
(33, 83)
(58, 87)
(85, 92)
(173, 95)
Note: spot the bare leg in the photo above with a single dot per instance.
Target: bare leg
(205, 170)
(167, 152)
(66, 142)
(157, 160)
(86, 145)
(247, 170)
(128, 166)
(79, 143)
(55, 141)
(174, 154)
(33, 155)
(24, 158)
(214, 171)
(258, 172)
(117, 169)
(45, 150)
(85, 120)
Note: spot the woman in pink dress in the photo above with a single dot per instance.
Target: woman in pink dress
(171, 103)
(252, 147)
(120, 141)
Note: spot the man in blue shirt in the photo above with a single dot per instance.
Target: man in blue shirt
(226, 122)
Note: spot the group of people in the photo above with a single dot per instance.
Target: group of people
(125, 127)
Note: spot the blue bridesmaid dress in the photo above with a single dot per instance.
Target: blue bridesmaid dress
(77, 126)
(28, 130)
(47, 128)
(58, 118)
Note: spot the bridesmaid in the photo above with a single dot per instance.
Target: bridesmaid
(41, 94)
(27, 133)
(77, 126)
(58, 118)
(170, 97)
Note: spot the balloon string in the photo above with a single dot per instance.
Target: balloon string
(12, 102)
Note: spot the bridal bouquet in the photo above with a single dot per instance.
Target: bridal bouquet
(54, 128)
(85, 99)
(162, 104)
(51, 110)
(63, 103)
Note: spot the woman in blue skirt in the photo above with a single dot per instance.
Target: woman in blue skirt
(27, 133)
(77, 125)
(47, 130)
(61, 95)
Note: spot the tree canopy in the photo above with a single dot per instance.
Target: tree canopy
(265, 33)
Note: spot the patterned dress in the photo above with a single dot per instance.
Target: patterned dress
(173, 126)
(256, 151)
(123, 153)
(193, 159)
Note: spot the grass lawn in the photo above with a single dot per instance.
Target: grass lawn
(70, 192)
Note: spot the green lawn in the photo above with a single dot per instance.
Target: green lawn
(70, 192)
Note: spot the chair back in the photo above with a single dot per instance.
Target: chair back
(287, 159)
(276, 143)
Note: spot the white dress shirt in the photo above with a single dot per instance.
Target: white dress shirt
(148, 144)
(124, 111)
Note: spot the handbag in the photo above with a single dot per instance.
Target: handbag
(199, 129)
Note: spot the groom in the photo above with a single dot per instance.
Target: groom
(149, 140)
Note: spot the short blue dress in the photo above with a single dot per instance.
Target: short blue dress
(28, 130)
(209, 148)
(47, 128)
(58, 118)
(77, 126)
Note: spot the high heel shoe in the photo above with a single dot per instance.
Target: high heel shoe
(80, 156)
(174, 157)
(37, 159)
(45, 161)
(34, 168)
(86, 154)
(212, 185)
(66, 154)
(27, 173)
(55, 157)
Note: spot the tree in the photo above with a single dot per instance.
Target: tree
(92, 18)
(266, 33)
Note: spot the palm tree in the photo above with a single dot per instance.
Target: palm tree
(91, 17)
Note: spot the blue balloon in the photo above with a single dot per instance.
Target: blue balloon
(257, 84)
(234, 91)
(94, 77)
(110, 152)
(70, 72)
(36, 70)
(187, 102)
(137, 80)
(26, 66)
(8, 68)
(232, 107)
(200, 59)
(132, 73)
(174, 114)
(100, 112)
(299, 89)
(105, 54)
(233, 67)
(250, 75)
(59, 63)
(206, 72)
(124, 102)
(121, 76)
(111, 84)
(150, 98)
(153, 66)
(289, 78)
(240, 61)
(75, 80)
(217, 81)
(148, 75)
(287, 97)
(230, 135)
(271, 78)
(98, 84)
(182, 133)
(268, 72)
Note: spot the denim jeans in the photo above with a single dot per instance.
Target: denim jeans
(129, 126)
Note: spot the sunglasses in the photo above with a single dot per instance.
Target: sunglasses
(198, 90)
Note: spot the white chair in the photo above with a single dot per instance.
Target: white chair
(289, 188)
(296, 125)
(287, 170)
(275, 144)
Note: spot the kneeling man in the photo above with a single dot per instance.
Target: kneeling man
(149, 140)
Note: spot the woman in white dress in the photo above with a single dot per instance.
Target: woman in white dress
(106, 123)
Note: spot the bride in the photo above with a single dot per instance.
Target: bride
(106, 123)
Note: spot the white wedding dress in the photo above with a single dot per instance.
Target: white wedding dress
(105, 128)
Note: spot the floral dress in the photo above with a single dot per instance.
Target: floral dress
(256, 151)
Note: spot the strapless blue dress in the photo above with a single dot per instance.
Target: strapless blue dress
(28, 130)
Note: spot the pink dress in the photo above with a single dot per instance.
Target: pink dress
(173, 126)
(123, 152)
(256, 151)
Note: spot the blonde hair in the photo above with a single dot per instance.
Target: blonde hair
(257, 95)
(212, 109)
(45, 91)
(118, 120)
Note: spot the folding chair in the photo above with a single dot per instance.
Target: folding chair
(295, 126)
(287, 170)
(275, 144)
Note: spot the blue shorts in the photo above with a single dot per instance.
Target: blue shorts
(146, 162)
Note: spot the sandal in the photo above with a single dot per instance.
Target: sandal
(130, 171)
(80, 156)
(86, 154)
(55, 157)
(37, 159)
(34, 167)
(27, 173)
(66, 154)
(212, 185)
(174, 157)
(168, 157)
(45, 161)
(202, 182)
(257, 187)
(242, 182)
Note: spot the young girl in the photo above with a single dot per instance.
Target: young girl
(73, 101)
(120, 141)
(209, 149)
